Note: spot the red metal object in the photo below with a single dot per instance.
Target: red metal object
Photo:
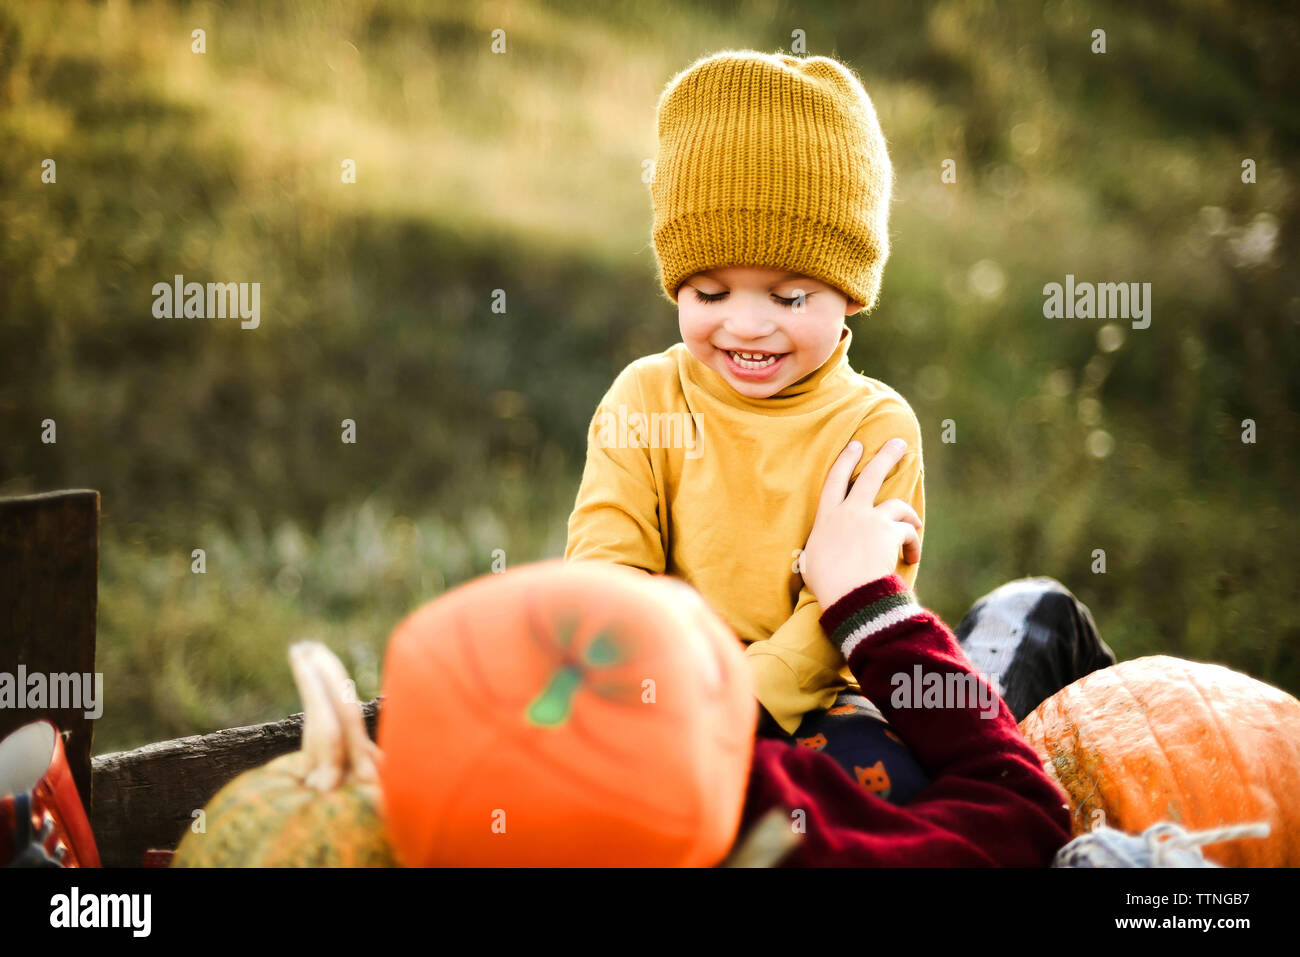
(42, 821)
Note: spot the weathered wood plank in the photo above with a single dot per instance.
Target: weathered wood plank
(146, 798)
(49, 568)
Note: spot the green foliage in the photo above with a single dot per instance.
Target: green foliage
(522, 172)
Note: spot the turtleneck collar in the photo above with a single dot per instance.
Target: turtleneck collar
(794, 395)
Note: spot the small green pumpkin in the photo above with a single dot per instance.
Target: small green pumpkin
(318, 807)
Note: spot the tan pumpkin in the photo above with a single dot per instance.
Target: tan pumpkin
(318, 807)
(1163, 739)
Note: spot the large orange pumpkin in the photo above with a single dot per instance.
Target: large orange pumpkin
(1163, 739)
(568, 714)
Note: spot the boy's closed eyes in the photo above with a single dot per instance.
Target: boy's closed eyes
(761, 329)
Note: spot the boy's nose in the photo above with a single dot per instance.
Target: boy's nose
(748, 322)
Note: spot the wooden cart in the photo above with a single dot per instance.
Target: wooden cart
(142, 802)
(138, 801)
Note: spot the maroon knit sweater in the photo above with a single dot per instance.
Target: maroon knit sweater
(989, 803)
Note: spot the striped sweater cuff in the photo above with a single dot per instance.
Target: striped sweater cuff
(867, 611)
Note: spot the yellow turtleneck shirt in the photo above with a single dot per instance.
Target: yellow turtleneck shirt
(684, 476)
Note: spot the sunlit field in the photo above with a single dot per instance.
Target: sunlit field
(524, 172)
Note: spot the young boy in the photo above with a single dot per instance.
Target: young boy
(706, 461)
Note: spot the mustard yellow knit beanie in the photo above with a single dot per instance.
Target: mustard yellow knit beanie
(771, 160)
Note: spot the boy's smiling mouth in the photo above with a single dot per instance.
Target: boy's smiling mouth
(752, 364)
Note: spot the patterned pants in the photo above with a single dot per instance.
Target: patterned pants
(1032, 635)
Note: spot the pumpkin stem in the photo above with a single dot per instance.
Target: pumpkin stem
(766, 844)
(360, 753)
(335, 745)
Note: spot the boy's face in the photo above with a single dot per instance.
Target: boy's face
(756, 310)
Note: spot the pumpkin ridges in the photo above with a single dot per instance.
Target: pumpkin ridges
(1278, 713)
(1292, 759)
(1225, 771)
(1290, 747)
(1219, 748)
(228, 804)
(1074, 760)
(1208, 810)
(1243, 851)
(1157, 802)
(344, 811)
(233, 816)
(1136, 751)
(1140, 757)
(1060, 742)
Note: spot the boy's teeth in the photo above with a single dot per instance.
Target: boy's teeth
(752, 360)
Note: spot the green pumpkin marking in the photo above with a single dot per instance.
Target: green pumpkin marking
(603, 650)
(553, 705)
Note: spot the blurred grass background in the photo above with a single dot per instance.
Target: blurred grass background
(522, 172)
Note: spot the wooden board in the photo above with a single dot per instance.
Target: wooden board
(49, 567)
(145, 799)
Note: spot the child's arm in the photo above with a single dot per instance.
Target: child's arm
(798, 669)
(989, 803)
(989, 800)
(616, 517)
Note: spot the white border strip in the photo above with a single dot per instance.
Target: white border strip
(879, 624)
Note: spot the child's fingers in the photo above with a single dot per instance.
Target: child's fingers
(837, 479)
(872, 476)
(899, 511)
(911, 544)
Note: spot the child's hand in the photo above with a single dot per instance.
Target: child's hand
(854, 541)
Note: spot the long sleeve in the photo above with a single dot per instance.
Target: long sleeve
(989, 803)
(617, 514)
(906, 482)
(798, 669)
(895, 419)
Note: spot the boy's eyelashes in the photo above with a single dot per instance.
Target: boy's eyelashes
(717, 296)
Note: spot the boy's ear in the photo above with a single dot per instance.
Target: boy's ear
(853, 309)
